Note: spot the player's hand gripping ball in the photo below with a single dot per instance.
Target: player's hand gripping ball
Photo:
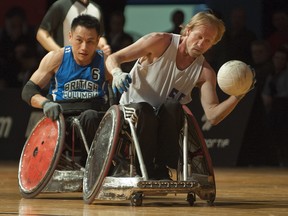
(235, 78)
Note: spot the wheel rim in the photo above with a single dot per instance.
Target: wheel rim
(101, 154)
(40, 155)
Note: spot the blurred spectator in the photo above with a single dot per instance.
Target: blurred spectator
(177, 19)
(239, 37)
(108, 7)
(28, 60)
(118, 38)
(55, 26)
(261, 61)
(16, 39)
(280, 35)
(255, 145)
(275, 98)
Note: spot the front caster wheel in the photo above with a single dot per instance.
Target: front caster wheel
(211, 200)
(136, 199)
(191, 198)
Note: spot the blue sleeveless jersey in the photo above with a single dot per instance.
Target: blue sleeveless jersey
(73, 81)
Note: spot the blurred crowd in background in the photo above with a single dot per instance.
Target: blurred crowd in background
(20, 54)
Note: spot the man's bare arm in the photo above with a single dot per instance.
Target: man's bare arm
(214, 110)
(42, 76)
(149, 47)
(46, 40)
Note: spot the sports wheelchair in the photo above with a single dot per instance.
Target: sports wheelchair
(49, 160)
(110, 169)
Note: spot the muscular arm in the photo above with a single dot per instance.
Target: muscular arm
(214, 110)
(50, 23)
(46, 40)
(41, 77)
(149, 47)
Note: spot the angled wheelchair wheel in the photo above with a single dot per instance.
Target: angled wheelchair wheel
(199, 156)
(40, 156)
(199, 147)
(101, 153)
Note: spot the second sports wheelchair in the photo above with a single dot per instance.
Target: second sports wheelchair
(50, 157)
(110, 169)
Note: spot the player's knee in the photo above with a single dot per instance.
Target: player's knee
(172, 105)
(89, 118)
(90, 114)
(143, 109)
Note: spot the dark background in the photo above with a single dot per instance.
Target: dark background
(232, 129)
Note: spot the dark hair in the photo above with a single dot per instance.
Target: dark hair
(86, 21)
(16, 11)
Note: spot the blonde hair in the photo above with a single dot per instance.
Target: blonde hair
(205, 18)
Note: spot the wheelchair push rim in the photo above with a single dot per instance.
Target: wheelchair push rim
(101, 153)
(40, 156)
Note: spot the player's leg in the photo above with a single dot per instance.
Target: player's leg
(147, 132)
(171, 121)
(89, 121)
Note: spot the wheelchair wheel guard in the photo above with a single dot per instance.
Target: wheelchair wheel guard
(198, 154)
(40, 156)
(101, 153)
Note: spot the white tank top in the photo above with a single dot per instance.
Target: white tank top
(156, 82)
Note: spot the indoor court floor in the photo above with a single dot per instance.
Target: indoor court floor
(240, 191)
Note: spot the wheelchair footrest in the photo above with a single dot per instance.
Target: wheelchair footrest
(167, 184)
(122, 188)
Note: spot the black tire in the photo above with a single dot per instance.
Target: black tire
(191, 198)
(199, 158)
(101, 153)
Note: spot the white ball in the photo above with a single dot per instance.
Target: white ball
(235, 77)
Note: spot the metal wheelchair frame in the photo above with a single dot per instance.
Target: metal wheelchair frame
(64, 173)
(99, 184)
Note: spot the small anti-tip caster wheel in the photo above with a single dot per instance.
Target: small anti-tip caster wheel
(191, 198)
(136, 199)
(211, 200)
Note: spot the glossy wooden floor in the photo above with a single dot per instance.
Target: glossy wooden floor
(240, 191)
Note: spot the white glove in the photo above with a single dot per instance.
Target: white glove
(121, 80)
